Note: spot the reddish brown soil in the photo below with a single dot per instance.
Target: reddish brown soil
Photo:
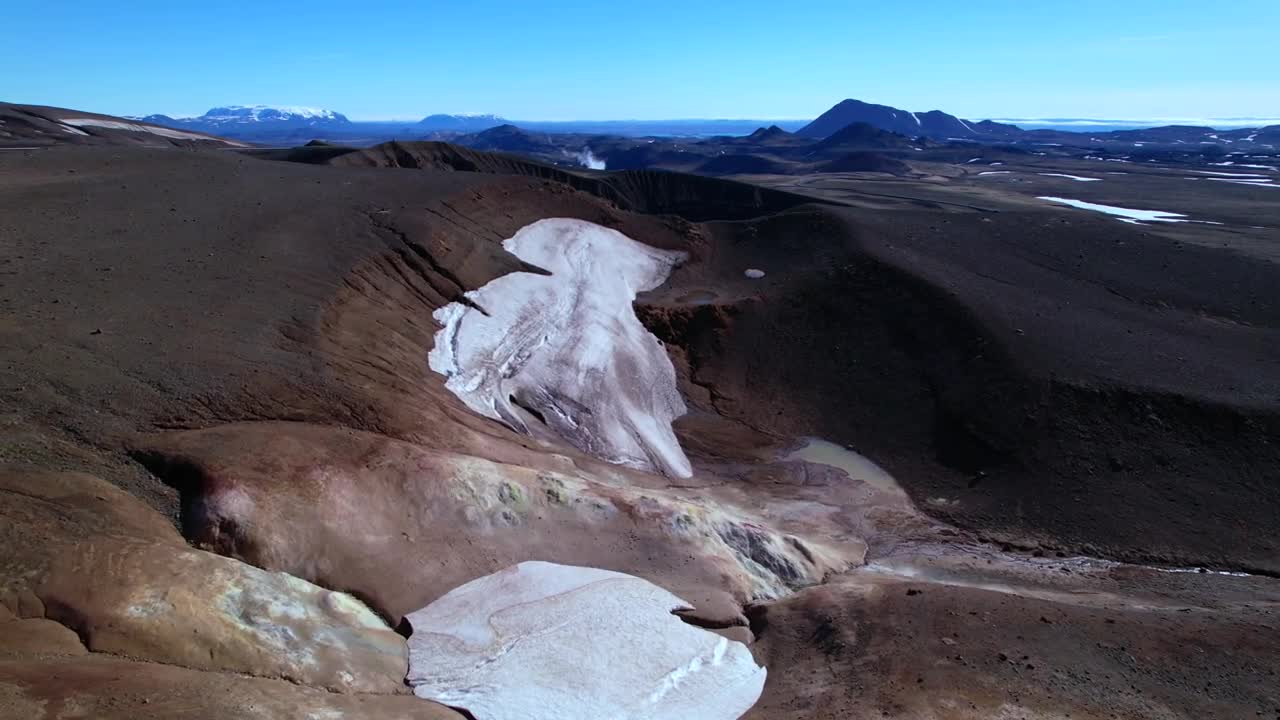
(1073, 387)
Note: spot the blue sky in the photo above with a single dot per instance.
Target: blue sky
(649, 59)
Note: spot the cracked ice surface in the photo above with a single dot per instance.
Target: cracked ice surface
(564, 355)
(541, 641)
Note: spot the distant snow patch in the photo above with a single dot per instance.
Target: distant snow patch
(1072, 177)
(994, 172)
(1231, 175)
(1198, 571)
(1248, 183)
(564, 356)
(134, 127)
(1125, 214)
(754, 274)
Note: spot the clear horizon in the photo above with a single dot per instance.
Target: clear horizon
(1141, 60)
(1083, 122)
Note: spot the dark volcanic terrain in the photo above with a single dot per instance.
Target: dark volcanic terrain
(213, 372)
(26, 126)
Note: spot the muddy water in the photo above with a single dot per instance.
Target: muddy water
(856, 466)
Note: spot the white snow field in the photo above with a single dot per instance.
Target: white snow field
(563, 355)
(541, 641)
(135, 127)
(1072, 177)
(1259, 182)
(1125, 214)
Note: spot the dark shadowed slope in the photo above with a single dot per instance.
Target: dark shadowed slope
(508, 138)
(651, 191)
(860, 136)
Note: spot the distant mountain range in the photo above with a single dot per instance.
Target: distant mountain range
(939, 125)
(854, 117)
(269, 123)
(289, 125)
(857, 147)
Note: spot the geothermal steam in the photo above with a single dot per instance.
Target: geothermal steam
(588, 160)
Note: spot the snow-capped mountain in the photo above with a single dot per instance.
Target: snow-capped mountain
(230, 118)
(271, 114)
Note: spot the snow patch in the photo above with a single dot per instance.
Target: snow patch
(1125, 214)
(1071, 177)
(541, 641)
(753, 273)
(1197, 571)
(1231, 175)
(564, 356)
(135, 127)
(1247, 183)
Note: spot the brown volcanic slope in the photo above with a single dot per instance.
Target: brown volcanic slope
(241, 344)
(40, 126)
(1011, 360)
